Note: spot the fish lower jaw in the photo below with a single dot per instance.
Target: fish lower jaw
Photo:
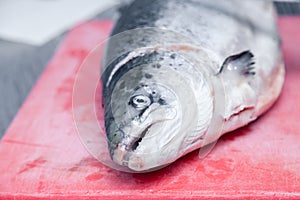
(122, 155)
(128, 159)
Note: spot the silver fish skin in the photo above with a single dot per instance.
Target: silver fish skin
(179, 74)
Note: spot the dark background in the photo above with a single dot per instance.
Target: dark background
(22, 64)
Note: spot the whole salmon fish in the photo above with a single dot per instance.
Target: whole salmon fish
(179, 74)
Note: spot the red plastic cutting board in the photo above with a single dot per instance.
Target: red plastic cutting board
(41, 155)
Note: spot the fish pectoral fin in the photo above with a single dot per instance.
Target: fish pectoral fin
(242, 63)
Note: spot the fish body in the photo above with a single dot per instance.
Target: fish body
(179, 74)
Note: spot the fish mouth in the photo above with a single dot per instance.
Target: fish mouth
(122, 154)
(135, 143)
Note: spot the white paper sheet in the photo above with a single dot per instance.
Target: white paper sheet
(37, 21)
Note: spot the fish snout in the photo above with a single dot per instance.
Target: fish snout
(137, 144)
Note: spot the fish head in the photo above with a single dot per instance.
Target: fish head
(151, 111)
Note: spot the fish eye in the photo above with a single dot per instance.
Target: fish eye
(140, 102)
